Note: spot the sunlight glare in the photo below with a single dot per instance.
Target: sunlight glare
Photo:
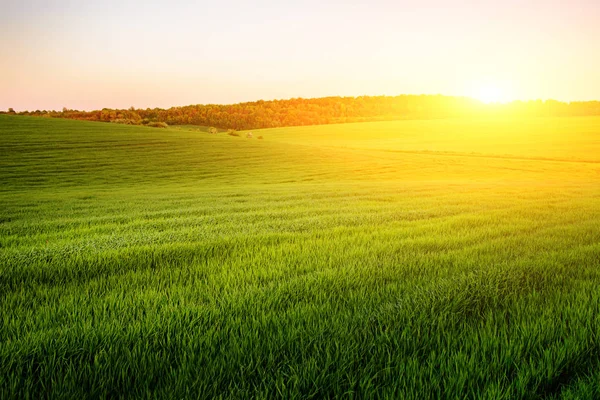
(491, 94)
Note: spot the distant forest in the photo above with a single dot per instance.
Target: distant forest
(326, 110)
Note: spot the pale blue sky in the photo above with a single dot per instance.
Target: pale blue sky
(90, 55)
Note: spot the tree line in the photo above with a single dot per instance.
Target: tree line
(325, 110)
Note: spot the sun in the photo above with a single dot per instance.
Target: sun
(490, 93)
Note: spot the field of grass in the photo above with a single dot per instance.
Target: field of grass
(413, 259)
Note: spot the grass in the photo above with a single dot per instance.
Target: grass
(414, 259)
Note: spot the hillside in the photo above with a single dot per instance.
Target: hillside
(405, 259)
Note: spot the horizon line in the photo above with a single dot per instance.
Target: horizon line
(495, 103)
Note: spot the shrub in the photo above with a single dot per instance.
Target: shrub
(158, 124)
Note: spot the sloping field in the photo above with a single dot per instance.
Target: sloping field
(414, 259)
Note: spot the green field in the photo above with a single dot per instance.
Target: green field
(412, 260)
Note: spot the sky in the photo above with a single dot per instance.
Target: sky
(93, 54)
